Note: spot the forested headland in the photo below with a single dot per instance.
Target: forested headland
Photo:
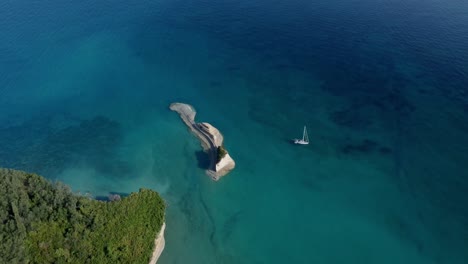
(44, 222)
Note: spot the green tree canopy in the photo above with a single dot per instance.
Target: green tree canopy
(221, 152)
(44, 222)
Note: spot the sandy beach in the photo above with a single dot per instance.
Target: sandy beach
(159, 244)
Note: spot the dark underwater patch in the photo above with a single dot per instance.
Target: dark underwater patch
(362, 111)
(231, 224)
(216, 83)
(36, 147)
(233, 68)
(394, 100)
(366, 146)
(351, 118)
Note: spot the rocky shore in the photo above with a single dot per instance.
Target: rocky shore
(210, 139)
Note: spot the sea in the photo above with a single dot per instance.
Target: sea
(382, 86)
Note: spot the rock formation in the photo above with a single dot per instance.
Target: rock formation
(210, 139)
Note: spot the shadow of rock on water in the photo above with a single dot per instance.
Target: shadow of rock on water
(203, 160)
(48, 152)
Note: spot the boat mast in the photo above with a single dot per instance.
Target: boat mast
(305, 137)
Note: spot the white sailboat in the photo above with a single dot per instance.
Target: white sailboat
(304, 140)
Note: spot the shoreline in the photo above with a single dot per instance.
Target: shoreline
(210, 139)
(159, 244)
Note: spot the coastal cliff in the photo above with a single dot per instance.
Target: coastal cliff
(210, 138)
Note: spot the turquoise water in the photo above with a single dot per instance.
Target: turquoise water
(84, 95)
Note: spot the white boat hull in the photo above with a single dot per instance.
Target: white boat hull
(300, 142)
(304, 140)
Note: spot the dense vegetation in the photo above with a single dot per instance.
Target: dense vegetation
(44, 222)
(221, 153)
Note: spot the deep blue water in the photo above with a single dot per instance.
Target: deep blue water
(381, 85)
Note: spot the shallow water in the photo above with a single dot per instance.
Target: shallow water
(84, 95)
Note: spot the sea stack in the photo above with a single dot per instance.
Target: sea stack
(211, 140)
